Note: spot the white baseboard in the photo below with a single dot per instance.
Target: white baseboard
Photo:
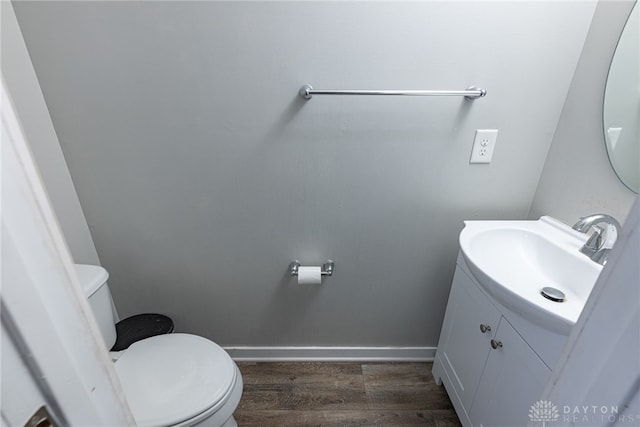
(332, 354)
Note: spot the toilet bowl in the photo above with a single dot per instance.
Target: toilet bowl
(168, 380)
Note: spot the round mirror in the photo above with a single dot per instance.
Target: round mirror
(621, 113)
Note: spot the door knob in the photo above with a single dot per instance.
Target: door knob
(495, 344)
(485, 328)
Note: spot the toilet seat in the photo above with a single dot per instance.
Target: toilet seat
(170, 379)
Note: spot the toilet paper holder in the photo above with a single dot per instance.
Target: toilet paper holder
(325, 270)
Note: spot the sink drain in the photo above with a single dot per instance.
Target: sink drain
(553, 294)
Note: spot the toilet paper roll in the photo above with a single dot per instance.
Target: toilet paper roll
(309, 276)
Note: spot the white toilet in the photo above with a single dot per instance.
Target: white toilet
(169, 380)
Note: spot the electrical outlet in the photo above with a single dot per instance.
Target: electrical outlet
(483, 145)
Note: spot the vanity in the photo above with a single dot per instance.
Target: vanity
(501, 337)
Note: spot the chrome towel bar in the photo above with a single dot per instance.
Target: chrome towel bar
(472, 92)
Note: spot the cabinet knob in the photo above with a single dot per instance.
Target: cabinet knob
(495, 344)
(484, 328)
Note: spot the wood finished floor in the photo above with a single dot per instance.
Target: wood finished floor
(342, 394)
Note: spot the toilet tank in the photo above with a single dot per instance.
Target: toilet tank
(93, 280)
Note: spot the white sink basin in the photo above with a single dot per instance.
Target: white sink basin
(514, 260)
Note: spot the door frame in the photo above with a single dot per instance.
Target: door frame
(44, 312)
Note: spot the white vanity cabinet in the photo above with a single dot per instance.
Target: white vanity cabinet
(512, 381)
(490, 372)
(464, 347)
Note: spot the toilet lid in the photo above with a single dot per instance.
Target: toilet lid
(171, 378)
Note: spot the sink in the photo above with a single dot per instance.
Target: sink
(514, 260)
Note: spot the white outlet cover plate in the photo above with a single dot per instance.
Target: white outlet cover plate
(483, 145)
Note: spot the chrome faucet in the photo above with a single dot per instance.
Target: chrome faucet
(599, 245)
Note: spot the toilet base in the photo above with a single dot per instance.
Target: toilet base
(231, 422)
(223, 416)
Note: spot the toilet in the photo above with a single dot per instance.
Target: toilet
(168, 380)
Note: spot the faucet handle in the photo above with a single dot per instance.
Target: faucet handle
(600, 243)
(601, 254)
(595, 241)
(610, 236)
(602, 239)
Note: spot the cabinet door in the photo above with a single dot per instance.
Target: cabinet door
(463, 346)
(513, 380)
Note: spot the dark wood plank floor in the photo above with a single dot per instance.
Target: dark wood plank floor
(342, 394)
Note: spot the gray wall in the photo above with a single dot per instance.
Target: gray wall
(30, 105)
(577, 178)
(202, 174)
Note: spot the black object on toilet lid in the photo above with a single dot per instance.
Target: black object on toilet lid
(139, 327)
